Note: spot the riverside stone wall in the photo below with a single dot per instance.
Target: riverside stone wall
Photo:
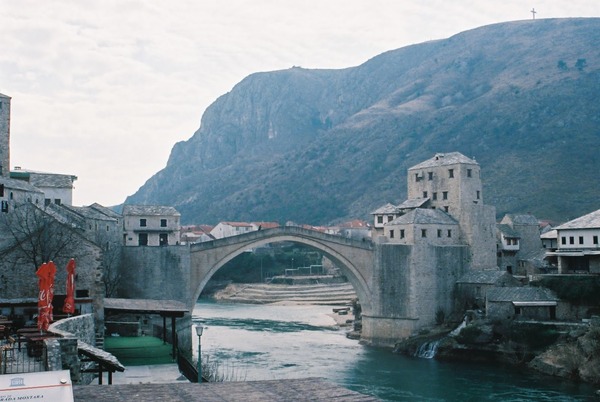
(160, 273)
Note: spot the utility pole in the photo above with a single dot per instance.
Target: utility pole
(533, 12)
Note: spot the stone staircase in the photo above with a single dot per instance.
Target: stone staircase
(324, 294)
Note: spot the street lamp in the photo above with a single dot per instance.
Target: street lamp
(199, 329)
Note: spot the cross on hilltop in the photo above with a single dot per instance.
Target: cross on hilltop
(533, 12)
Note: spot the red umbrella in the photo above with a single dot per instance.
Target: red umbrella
(46, 283)
(69, 306)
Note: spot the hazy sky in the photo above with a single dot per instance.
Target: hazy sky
(103, 89)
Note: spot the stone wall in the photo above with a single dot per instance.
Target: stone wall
(63, 352)
(82, 327)
(4, 136)
(156, 273)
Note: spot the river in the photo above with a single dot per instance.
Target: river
(265, 342)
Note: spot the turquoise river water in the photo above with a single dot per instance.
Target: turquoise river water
(265, 342)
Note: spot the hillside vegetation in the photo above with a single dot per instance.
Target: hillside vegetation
(319, 146)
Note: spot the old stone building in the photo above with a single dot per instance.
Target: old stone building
(4, 135)
(449, 184)
(151, 225)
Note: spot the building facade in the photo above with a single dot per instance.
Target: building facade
(151, 225)
(578, 245)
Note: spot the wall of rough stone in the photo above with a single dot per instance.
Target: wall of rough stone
(81, 326)
(4, 135)
(160, 273)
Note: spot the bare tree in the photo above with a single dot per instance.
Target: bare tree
(38, 235)
(111, 262)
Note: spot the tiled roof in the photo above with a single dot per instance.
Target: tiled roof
(525, 293)
(413, 203)
(88, 213)
(41, 179)
(508, 231)
(148, 305)
(424, 216)
(520, 219)
(106, 211)
(386, 209)
(485, 277)
(589, 221)
(552, 234)
(158, 210)
(443, 159)
(18, 185)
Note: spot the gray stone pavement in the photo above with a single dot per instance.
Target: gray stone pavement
(155, 374)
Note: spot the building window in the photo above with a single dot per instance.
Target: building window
(439, 232)
(402, 233)
(430, 175)
(446, 208)
(163, 239)
(450, 173)
(390, 218)
(391, 234)
(595, 240)
(423, 232)
(571, 240)
(143, 239)
(469, 173)
(424, 194)
(444, 195)
(449, 233)
(563, 240)
(434, 195)
(47, 201)
(478, 194)
(580, 239)
(163, 223)
(57, 201)
(417, 178)
(380, 219)
(1, 190)
(143, 222)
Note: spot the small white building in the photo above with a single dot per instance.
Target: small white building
(151, 225)
(57, 188)
(228, 229)
(578, 245)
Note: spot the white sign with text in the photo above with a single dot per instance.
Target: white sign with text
(48, 386)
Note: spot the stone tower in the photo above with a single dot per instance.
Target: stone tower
(4, 135)
(452, 183)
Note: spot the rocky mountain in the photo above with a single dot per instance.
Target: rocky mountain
(319, 146)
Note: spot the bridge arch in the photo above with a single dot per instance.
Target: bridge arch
(354, 258)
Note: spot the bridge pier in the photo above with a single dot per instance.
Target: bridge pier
(386, 331)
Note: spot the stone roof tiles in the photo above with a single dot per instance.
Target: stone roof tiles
(18, 185)
(507, 231)
(523, 294)
(589, 221)
(424, 216)
(385, 209)
(443, 159)
(158, 210)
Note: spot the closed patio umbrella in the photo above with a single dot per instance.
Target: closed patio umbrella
(69, 306)
(46, 274)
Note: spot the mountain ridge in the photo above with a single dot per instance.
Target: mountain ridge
(320, 146)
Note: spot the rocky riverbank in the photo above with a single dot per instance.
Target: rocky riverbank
(567, 350)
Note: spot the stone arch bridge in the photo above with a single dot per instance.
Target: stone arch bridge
(400, 287)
